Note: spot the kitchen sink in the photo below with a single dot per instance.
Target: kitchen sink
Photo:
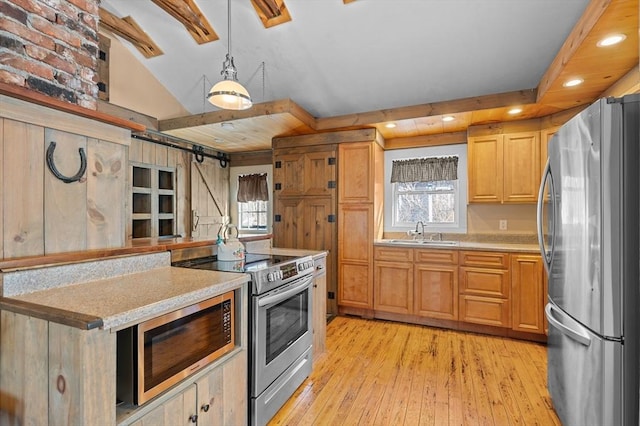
(424, 242)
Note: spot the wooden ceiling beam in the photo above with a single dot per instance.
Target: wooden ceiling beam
(187, 13)
(498, 100)
(128, 29)
(271, 12)
(595, 9)
(257, 110)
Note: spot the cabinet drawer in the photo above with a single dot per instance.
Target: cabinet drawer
(484, 310)
(484, 259)
(393, 254)
(485, 282)
(449, 257)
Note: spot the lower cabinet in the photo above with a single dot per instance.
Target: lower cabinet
(218, 397)
(416, 282)
(494, 292)
(527, 293)
(436, 284)
(179, 410)
(485, 288)
(393, 287)
(355, 255)
(319, 305)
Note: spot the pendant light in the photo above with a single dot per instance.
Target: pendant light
(228, 93)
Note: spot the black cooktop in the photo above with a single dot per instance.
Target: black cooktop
(251, 263)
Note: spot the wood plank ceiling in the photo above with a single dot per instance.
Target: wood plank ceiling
(606, 71)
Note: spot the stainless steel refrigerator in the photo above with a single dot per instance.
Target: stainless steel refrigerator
(588, 214)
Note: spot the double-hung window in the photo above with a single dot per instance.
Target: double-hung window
(430, 202)
(426, 185)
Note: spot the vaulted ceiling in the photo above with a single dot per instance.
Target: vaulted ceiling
(318, 65)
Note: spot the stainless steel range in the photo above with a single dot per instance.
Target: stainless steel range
(280, 326)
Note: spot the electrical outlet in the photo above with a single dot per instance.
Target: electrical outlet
(503, 224)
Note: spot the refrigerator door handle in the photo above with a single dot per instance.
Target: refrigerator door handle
(577, 333)
(546, 256)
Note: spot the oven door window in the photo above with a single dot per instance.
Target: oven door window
(286, 322)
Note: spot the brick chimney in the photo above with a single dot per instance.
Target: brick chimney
(51, 46)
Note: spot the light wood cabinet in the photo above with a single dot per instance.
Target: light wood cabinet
(305, 206)
(545, 137)
(485, 169)
(436, 284)
(504, 168)
(419, 282)
(355, 248)
(528, 293)
(486, 291)
(357, 174)
(393, 280)
(485, 288)
(319, 306)
(309, 171)
(359, 222)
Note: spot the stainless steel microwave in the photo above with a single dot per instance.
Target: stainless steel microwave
(156, 354)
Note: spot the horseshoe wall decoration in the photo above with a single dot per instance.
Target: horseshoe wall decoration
(56, 173)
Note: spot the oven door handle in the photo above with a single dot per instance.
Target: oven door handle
(279, 297)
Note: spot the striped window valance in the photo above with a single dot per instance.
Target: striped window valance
(430, 169)
(253, 188)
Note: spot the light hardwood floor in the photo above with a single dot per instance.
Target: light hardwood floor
(385, 373)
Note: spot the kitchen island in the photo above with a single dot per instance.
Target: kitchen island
(58, 341)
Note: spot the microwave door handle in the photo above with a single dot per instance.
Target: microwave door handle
(576, 332)
(279, 297)
(546, 176)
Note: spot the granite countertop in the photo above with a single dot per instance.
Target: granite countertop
(464, 245)
(82, 296)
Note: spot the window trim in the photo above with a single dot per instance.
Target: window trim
(459, 150)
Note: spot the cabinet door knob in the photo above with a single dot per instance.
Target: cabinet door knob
(205, 408)
(193, 418)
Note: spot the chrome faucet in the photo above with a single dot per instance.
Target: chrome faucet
(421, 232)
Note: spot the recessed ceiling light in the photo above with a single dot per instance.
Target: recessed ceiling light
(448, 118)
(574, 82)
(611, 40)
(390, 125)
(227, 125)
(514, 111)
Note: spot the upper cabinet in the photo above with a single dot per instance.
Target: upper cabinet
(309, 171)
(504, 168)
(358, 172)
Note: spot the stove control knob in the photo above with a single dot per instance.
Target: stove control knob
(280, 275)
(270, 277)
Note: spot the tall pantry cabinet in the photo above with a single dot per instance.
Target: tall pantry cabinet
(360, 222)
(305, 201)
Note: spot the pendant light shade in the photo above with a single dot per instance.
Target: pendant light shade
(228, 93)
